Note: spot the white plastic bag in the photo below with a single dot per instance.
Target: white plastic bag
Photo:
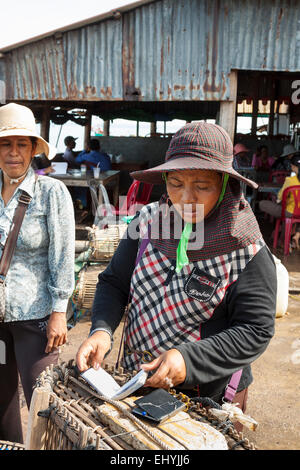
(282, 288)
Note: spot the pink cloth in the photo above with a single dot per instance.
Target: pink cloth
(258, 163)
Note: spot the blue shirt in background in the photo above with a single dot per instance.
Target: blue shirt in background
(95, 157)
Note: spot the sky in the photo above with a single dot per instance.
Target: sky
(25, 19)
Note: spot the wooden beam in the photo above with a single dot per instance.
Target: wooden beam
(45, 123)
(255, 107)
(227, 118)
(272, 103)
(37, 425)
(106, 126)
(152, 128)
(87, 130)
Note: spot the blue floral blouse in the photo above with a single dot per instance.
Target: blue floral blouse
(41, 275)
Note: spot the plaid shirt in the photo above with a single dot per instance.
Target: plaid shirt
(167, 308)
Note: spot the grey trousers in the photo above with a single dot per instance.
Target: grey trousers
(272, 208)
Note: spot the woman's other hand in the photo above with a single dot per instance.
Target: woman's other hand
(171, 370)
(56, 331)
(92, 351)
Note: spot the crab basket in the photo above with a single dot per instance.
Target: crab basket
(66, 413)
(84, 293)
(7, 445)
(104, 242)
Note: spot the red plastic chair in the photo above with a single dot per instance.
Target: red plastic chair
(136, 195)
(278, 176)
(288, 221)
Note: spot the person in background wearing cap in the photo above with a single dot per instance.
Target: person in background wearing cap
(201, 279)
(40, 277)
(241, 157)
(283, 163)
(274, 208)
(69, 155)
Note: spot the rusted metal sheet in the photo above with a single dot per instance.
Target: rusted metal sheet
(167, 50)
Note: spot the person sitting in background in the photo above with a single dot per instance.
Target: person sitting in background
(274, 208)
(42, 165)
(241, 157)
(283, 162)
(69, 155)
(93, 156)
(261, 160)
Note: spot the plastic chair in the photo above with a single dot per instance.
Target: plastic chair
(136, 195)
(278, 176)
(288, 221)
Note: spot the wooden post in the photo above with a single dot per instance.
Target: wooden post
(272, 102)
(228, 108)
(37, 425)
(45, 124)
(87, 130)
(152, 128)
(106, 125)
(255, 108)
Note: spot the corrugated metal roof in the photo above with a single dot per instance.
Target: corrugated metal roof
(166, 50)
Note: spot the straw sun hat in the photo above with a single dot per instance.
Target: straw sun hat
(17, 120)
(196, 146)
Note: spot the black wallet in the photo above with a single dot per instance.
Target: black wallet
(157, 406)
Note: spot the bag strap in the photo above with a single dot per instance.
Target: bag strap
(12, 237)
(231, 388)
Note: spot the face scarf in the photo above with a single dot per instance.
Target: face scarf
(231, 225)
(182, 257)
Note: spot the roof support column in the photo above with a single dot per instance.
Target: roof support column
(228, 108)
(152, 128)
(87, 129)
(45, 123)
(106, 128)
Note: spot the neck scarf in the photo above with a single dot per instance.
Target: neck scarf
(229, 227)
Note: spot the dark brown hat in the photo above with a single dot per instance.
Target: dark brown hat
(196, 146)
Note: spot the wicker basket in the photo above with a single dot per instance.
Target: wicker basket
(104, 242)
(66, 414)
(84, 293)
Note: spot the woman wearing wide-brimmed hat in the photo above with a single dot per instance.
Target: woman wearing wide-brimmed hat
(40, 275)
(203, 307)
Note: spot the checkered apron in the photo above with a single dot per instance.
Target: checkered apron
(168, 308)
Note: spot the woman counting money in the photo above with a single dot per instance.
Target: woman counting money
(199, 278)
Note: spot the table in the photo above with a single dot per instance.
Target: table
(130, 166)
(269, 187)
(84, 181)
(264, 187)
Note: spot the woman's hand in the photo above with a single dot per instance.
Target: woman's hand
(171, 370)
(56, 331)
(48, 170)
(92, 351)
